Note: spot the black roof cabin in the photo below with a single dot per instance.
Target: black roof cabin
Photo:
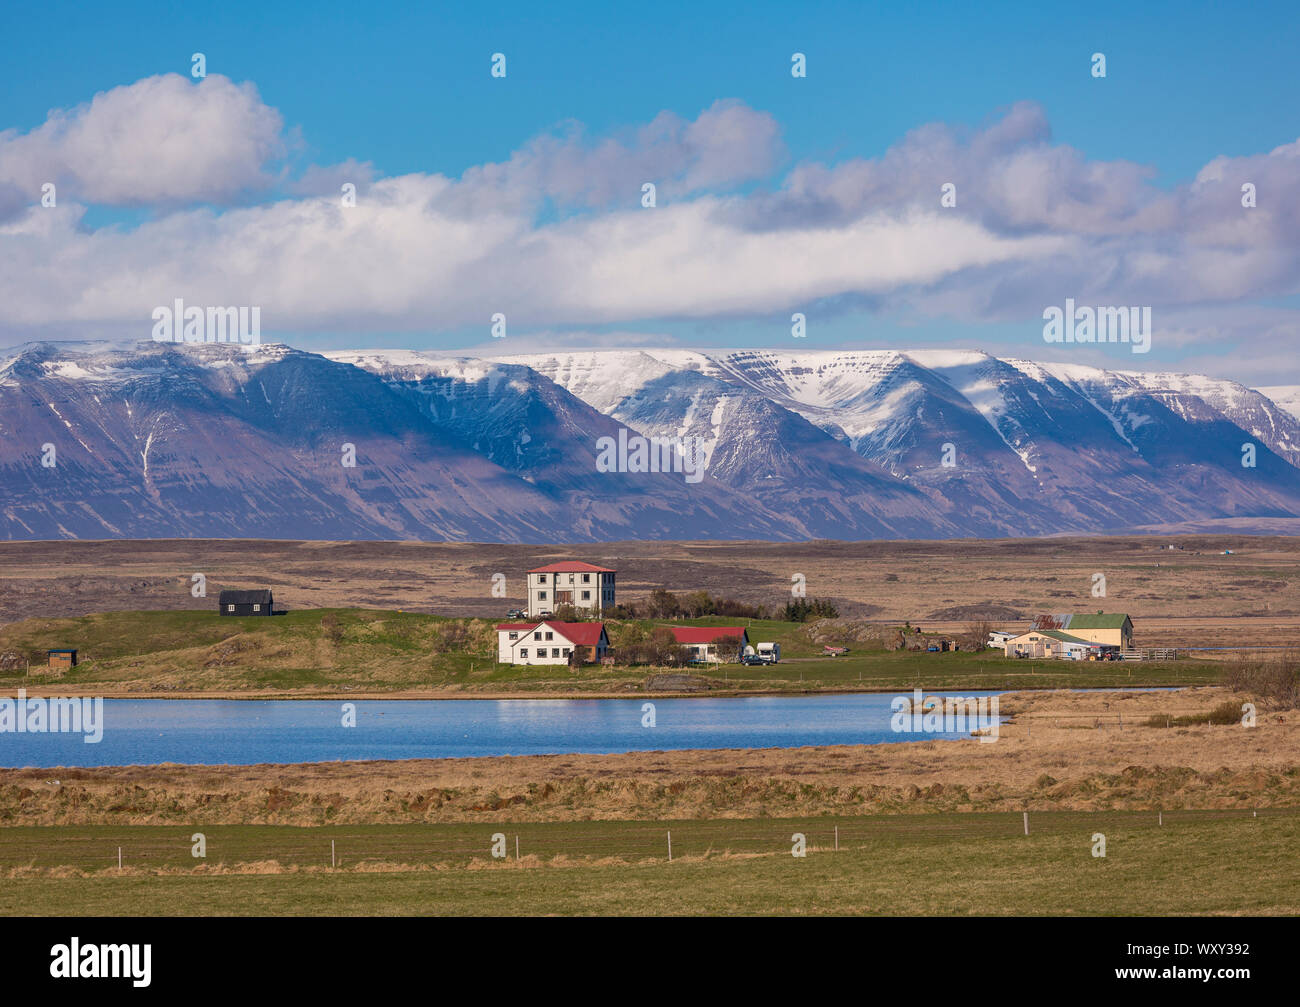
(244, 603)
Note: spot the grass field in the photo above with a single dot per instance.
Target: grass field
(332, 650)
(1193, 863)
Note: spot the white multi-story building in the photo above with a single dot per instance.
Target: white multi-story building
(581, 585)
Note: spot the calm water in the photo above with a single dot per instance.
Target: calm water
(214, 732)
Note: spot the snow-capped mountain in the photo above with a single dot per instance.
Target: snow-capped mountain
(1003, 446)
(1286, 396)
(165, 440)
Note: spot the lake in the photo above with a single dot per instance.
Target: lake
(238, 732)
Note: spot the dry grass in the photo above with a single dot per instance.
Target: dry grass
(1195, 594)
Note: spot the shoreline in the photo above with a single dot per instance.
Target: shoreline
(428, 695)
(1067, 751)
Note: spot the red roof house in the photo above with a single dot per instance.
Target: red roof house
(550, 642)
(703, 639)
(572, 566)
(583, 586)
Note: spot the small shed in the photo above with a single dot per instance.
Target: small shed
(62, 658)
(245, 603)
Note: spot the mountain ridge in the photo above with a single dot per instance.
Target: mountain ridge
(173, 440)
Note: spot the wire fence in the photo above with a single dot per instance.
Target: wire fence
(98, 848)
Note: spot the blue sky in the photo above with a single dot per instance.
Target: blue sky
(408, 93)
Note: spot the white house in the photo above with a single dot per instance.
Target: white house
(575, 583)
(1051, 643)
(550, 642)
(703, 640)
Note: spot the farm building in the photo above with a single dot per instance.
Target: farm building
(703, 641)
(550, 642)
(1052, 643)
(244, 603)
(61, 658)
(1113, 630)
(575, 583)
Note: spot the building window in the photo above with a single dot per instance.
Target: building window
(537, 635)
(514, 636)
(586, 596)
(555, 652)
(550, 636)
(541, 595)
(541, 578)
(567, 651)
(257, 608)
(586, 578)
(230, 608)
(523, 651)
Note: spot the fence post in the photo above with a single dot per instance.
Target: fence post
(516, 845)
(119, 858)
(332, 861)
(837, 839)
(1026, 823)
(670, 847)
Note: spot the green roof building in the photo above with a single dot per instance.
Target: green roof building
(1114, 629)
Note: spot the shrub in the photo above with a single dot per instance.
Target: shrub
(1227, 712)
(452, 636)
(976, 636)
(666, 605)
(1275, 680)
(330, 623)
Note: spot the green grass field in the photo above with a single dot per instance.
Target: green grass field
(370, 649)
(950, 864)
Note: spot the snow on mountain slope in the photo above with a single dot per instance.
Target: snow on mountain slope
(1286, 396)
(1030, 445)
(227, 441)
(603, 378)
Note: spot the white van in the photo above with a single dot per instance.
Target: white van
(770, 652)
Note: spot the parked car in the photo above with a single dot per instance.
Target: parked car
(830, 651)
(516, 613)
(753, 659)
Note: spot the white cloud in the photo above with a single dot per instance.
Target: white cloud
(160, 140)
(1035, 223)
